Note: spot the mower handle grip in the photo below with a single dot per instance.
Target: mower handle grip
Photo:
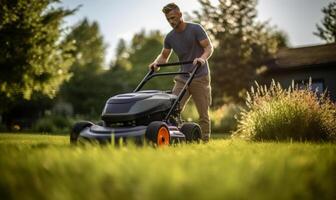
(174, 63)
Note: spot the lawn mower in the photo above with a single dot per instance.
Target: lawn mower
(143, 115)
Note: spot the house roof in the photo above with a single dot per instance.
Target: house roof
(303, 57)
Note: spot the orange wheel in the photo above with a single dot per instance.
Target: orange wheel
(163, 136)
(157, 133)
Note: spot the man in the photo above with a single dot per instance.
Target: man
(190, 42)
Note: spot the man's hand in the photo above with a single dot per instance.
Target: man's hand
(154, 66)
(162, 58)
(199, 60)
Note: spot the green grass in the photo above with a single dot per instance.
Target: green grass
(46, 167)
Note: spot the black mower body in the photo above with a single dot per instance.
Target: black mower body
(138, 108)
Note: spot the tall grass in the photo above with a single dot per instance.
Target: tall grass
(276, 113)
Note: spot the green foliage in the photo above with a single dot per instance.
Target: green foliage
(45, 167)
(134, 59)
(53, 124)
(89, 45)
(32, 58)
(241, 45)
(327, 31)
(88, 87)
(2, 128)
(292, 114)
(224, 118)
(190, 112)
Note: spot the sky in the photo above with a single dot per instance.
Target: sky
(122, 18)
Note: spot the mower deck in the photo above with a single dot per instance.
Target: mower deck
(137, 134)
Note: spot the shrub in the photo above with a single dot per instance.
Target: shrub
(224, 118)
(53, 124)
(282, 114)
(44, 125)
(190, 112)
(3, 127)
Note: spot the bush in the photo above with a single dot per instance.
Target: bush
(223, 120)
(190, 112)
(3, 127)
(282, 114)
(53, 124)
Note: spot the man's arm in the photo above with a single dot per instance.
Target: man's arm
(162, 58)
(208, 50)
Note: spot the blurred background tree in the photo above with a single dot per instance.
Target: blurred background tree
(85, 89)
(34, 60)
(135, 58)
(327, 31)
(241, 45)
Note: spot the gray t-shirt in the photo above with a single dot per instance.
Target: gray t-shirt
(186, 46)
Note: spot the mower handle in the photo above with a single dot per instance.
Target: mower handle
(151, 72)
(174, 63)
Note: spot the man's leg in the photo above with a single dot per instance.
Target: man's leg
(200, 90)
(179, 84)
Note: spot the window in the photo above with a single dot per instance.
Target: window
(317, 85)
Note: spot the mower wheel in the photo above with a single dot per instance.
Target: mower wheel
(77, 128)
(192, 131)
(158, 134)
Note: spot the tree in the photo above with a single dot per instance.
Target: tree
(135, 58)
(241, 45)
(327, 31)
(89, 51)
(34, 60)
(33, 57)
(143, 49)
(86, 90)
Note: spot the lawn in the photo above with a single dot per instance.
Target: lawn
(47, 167)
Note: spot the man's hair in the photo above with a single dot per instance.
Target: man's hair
(169, 7)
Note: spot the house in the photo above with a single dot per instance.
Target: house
(317, 63)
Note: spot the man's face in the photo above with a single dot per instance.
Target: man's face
(174, 18)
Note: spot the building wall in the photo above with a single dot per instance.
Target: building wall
(327, 75)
